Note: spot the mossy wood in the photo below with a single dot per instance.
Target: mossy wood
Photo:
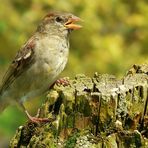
(92, 113)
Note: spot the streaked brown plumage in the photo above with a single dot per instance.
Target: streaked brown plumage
(39, 62)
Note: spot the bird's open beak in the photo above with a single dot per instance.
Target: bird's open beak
(70, 24)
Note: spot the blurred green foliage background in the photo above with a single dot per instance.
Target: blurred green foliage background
(113, 38)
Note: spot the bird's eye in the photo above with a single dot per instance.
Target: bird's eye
(59, 19)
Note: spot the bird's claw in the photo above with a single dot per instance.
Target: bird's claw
(62, 81)
(39, 120)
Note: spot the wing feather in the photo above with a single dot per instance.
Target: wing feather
(22, 61)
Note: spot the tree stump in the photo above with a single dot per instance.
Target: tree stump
(97, 112)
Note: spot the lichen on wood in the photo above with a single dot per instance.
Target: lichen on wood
(102, 111)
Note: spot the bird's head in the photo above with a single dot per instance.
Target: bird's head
(59, 22)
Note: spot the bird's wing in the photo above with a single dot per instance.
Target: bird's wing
(22, 61)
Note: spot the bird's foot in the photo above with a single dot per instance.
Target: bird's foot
(37, 119)
(63, 81)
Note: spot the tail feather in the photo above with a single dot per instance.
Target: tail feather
(3, 104)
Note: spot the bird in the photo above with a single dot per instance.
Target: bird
(39, 61)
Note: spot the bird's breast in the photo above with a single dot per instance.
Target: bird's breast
(51, 55)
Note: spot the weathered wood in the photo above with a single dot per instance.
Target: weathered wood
(102, 111)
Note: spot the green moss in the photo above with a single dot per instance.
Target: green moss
(71, 141)
(99, 115)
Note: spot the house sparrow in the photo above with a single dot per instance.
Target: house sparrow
(38, 63)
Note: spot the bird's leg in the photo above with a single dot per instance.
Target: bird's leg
(62, 81)
(35, 119)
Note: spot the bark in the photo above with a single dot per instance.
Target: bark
(97, 112)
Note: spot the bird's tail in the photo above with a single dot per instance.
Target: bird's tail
(3, 104)
(2, 101)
